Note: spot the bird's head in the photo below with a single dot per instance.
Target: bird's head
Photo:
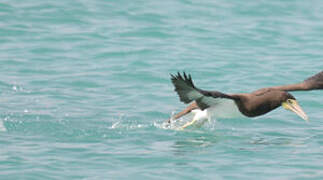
(291, 104)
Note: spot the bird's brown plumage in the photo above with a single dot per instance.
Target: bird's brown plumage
(252, 104)
(311, 83)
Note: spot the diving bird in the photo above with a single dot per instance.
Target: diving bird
(207, 104)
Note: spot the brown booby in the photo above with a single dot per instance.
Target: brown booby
(206, 104)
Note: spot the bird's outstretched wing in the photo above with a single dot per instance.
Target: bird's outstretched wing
(311, 83)
(187, 92)
(314, 82)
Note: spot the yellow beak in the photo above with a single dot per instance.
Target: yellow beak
(292, 105)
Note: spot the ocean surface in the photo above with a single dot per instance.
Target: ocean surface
(85, 88)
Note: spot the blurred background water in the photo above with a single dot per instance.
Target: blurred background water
(85, 88)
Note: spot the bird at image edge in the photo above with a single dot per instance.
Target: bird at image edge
(207, 104)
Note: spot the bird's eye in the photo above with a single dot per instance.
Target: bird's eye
(289, 101)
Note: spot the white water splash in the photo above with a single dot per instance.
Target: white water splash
(2, 127)
(114, 125)
(177, 124)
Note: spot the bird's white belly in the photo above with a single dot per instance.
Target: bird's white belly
(227, 109)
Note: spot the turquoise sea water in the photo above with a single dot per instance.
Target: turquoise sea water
(85, 88)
